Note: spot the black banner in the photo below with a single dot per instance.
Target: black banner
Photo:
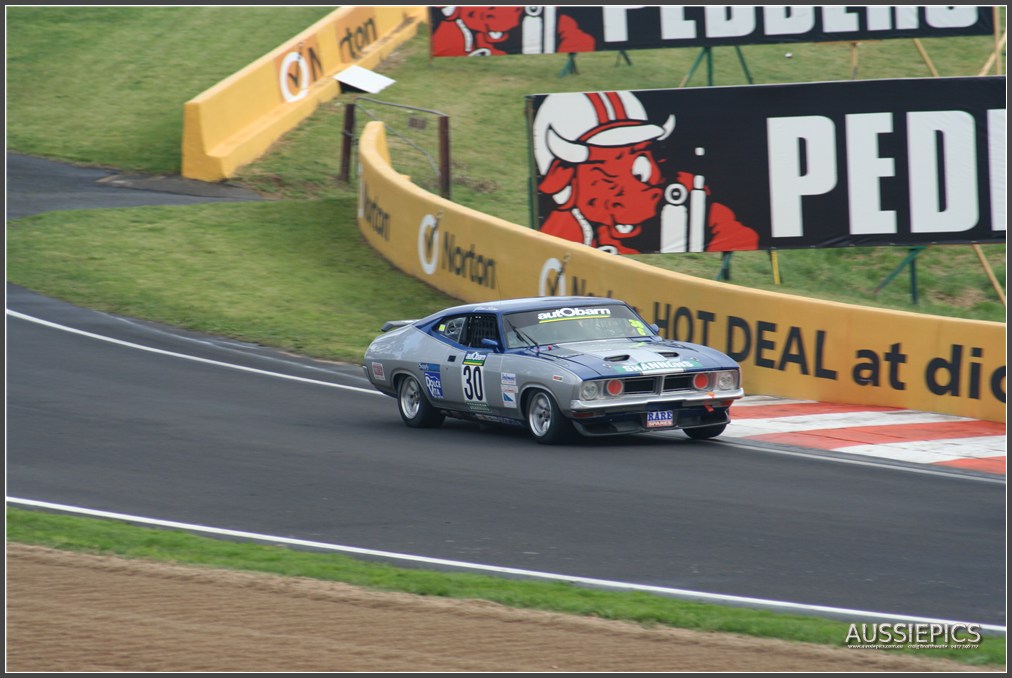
(834, 164)
(467, 30)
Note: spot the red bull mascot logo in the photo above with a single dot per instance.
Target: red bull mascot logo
(595, 158)
(474, 31)
(469, 30)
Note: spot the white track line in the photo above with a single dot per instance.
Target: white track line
(769, 400)
(206, 361)
(717, 598)
(818, 422)
(933, 451)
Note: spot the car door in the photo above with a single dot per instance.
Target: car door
(470, 371)
(441, 368)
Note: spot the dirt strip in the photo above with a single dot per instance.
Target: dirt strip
(74, 612)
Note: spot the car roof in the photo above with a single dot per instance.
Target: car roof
(528, 304)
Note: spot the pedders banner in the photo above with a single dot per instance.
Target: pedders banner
(835, 164)
(470, 30)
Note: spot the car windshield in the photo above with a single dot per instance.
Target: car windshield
(573, 323)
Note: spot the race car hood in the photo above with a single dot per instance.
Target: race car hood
(626, 357)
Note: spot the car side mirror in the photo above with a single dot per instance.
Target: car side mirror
(490, 343)
(655, 327)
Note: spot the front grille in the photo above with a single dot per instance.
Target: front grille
(640, 386)
(678, 382)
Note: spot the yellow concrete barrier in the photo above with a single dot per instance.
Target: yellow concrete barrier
(788, 346)
(237, 120)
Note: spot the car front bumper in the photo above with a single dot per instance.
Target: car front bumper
(630, 415)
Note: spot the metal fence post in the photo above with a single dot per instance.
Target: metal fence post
(347, 142)
(444, 157)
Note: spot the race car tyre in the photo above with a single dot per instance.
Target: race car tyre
(415, 408)
(704, 432)
(545, 421)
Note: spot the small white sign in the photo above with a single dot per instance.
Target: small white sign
(358, 79)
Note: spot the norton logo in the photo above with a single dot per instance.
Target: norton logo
(298, 69)
(552, 282)
(450, 256)
(370, 210)
(428, 244)
(567, 313)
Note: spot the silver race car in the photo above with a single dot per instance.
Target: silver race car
(555, 365)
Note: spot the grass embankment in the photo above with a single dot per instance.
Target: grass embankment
(288, 274)
(126, 108)
(293, 272)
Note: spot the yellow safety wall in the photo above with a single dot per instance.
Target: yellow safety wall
(237, 120)
(788, 346)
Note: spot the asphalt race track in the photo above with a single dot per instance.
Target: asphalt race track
(112, 427)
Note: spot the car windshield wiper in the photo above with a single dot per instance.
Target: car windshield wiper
(527, 340)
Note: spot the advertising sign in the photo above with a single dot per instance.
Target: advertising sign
(468, 30)
(835, 164)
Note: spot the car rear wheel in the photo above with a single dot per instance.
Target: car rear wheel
(704, 432)
(415, 408)
(545, 421)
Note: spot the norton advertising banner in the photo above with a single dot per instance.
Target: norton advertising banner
(761, 167)
(467, 30)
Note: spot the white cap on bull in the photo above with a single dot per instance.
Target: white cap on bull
(569, 122)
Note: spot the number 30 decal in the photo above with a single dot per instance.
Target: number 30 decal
(474, 387)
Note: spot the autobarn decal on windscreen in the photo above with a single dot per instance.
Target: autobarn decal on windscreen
(721, 169)
(568, 313)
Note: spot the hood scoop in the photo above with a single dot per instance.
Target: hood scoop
(623, 357)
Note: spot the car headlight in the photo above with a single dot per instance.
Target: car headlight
(589, 390)
(727, 381)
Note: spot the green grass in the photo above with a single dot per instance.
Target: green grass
(120, 539)
(950, 278)
(143, 95)
(105, 86)
(295, 275)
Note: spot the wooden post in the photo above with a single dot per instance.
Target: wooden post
(990, 274)
(998, 44)
(775, 264)
(927, 59)
(993, 59)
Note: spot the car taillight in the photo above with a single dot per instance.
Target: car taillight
(701, 381)
(615, 387)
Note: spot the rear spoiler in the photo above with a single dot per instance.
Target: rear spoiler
(394, 324)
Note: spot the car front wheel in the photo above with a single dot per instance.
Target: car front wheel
(704, 432)
(415, 408)
(545, 421)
